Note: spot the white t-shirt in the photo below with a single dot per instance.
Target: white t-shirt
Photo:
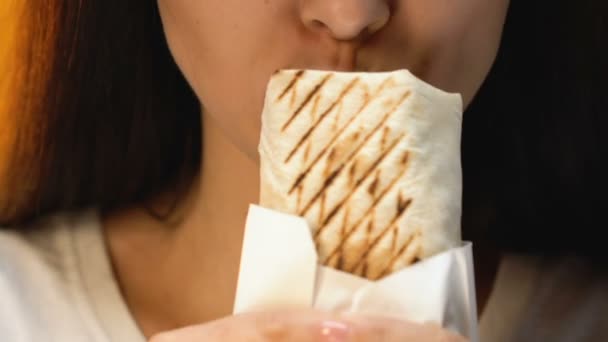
(547, 299)
(56, 284)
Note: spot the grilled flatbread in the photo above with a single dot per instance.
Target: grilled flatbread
(371, 160)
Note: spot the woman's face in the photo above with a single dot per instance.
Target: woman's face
(227, 49)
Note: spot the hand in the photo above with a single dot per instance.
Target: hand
(309, 325)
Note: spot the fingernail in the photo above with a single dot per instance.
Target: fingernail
(334, 331)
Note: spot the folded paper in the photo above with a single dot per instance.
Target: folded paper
(279, 270)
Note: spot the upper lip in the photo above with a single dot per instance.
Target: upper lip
(342, 57)
(346, 56)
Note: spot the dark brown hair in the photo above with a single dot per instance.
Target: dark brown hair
(534, 140)
(106, 119)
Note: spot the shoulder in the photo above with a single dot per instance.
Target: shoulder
(37, 272)
(569, 299)
(37, 248)
(558, 299)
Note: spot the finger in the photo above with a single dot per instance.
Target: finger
(309, 325)
(305, 325)
(389, 330)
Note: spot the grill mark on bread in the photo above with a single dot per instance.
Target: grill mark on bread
(322, 208)
(368, 234)
(340, 263)
(352, 171)
(337, 118)
(329, 180)
(370, 227)
(338, 149)
(385, 133)
(414, 241)
(373, 187)
(402, 204)
(291, 84)
(299, 201)
(330, 162)
(293, 97)
(315, 107)
(309, 132)
(405, 158)
(345, 221)
(307, 100)
(394, 239)
(368, 230)
(355, 152)
(331, 263)
(324, 150)
(362, 179)
(403, 208)
(362, 261)
(307, 151)
(369, 212)
(303, 175)
(321, 193)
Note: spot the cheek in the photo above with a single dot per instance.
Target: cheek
(205, 40)
(470, 44)
(450, 44)
(210, 42)
(227, 49)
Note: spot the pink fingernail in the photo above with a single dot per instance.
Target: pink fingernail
(333, 331)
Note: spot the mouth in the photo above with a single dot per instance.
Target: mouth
(335, 67)
(339, 57)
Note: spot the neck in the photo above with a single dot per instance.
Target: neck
(186, 273)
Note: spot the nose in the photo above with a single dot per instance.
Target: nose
(345, 20)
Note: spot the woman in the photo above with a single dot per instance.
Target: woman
(134, 159)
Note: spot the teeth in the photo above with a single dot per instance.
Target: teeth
(371, 160)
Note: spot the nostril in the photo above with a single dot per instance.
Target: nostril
(317, 24)
(345, 20)
(365, 33)
(379, 24)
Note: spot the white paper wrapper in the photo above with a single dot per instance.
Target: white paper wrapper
(279, 270)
